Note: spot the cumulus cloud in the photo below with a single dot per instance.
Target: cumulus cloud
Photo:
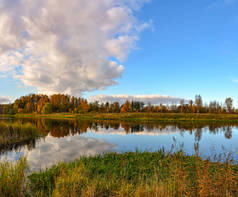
(67, 46)
(153, 99)
(4, 100)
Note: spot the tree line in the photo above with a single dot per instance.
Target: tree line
(61, 103)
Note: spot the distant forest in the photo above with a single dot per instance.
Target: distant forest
(61, 103)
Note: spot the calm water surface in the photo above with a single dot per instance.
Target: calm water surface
(66, 140)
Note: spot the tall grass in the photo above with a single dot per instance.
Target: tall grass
(129, 174)
(13, 179)
(16, 133)
(138, 174)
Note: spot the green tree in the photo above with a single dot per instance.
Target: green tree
(115, 107)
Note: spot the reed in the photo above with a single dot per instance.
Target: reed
(129, 174)
(138, 174)
(15, 133)
(13, 178)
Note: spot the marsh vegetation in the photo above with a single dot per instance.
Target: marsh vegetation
(129, 174)
(14, 135)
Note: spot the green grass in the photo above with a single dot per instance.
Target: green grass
(152, 117)
(128, 174)
(162, 117)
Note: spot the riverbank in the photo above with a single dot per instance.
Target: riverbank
(152, 117)
(128, 174)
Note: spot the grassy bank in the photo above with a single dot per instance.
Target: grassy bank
(14, 134)
(152, 117)
(129, 174)
(161, 117)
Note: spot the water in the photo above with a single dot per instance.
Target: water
(67, 140)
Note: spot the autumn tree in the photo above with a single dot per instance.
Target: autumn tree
(60, 102)
(41, 103)
(149, 108)
(126, 107)
(29, 107)
(84, 107)
(47, 108)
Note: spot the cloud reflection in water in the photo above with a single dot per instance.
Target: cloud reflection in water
(52, 150)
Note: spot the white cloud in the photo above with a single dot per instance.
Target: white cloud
(66, 46)
(4, 100)
(153, 99)
(152, 132)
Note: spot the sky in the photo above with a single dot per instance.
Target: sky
(128, 47)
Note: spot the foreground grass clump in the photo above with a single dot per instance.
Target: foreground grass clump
(16, 133)
(13, 179)
(137, 174)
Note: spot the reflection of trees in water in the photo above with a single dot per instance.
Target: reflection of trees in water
(62, 128)
(29, 144)
(228, 132)
(15, 135)
(195, 129)
(198, 134)
(59, 129)
(196, 148)
(137, 128)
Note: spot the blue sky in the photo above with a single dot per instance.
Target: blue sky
(191, 49)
